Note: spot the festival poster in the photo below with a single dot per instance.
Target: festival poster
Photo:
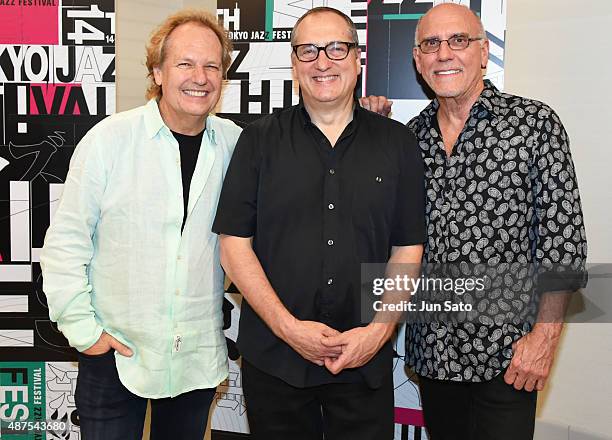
(57, 80)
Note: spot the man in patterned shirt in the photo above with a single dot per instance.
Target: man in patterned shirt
(501, 192)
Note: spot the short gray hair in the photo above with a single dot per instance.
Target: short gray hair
(351, 26)
(481, 33)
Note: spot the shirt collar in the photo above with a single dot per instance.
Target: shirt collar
(152, 119)
(154, 122)
(305, 117)
(488, 97)
(210, 130)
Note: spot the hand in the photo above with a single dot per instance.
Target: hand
(533, 358)
(377, 104)
(105, 343)
(305, 337)
(359, 345)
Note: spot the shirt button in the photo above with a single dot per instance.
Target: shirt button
(332, 171)
(179, 258)
(330, 206)
(177, 292)
(330, 242)
(330, 281)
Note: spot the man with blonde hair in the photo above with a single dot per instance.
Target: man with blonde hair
(131, 269)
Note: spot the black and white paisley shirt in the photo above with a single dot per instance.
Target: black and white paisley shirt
(506, 196)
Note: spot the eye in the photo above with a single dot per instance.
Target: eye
(459, 39)
(308, 50)
(213, 68)
(338, 49)
(432, 42)
(183, 65)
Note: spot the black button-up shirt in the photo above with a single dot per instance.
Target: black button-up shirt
(316, 212)
(506, 198)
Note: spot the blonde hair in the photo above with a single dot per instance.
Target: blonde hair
(156, 48)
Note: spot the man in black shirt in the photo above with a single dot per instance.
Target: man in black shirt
(311, 193)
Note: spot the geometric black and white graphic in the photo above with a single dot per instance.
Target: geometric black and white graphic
(57, 80)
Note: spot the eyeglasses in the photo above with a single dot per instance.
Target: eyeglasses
(336, 50)
(456, 42)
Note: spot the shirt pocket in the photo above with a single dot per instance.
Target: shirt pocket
(373, 198)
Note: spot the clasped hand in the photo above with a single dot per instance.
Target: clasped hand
(325, 346)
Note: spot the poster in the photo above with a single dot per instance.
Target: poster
(57, 80)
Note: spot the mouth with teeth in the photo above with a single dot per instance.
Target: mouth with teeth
(447, 72)
(325, 79)
(196, 93)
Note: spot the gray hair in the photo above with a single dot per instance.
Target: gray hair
(351, 26)
(481, 30)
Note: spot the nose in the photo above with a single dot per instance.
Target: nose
(200, 75)
(323, 62)
(445, 52)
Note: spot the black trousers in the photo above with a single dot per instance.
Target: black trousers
(490, 410)
(108, 411)
(339, 411)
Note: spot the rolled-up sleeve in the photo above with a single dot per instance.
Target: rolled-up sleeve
(409, 217)
(561, 247)
(237, 209)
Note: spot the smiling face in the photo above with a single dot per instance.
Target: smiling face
(190, 77)
(451, 73)
(324, 81)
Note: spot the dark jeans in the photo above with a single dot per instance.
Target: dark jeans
(340, 411)
(108, 411)
(490, 410)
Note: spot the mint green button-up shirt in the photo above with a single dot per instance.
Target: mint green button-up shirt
(114, 258)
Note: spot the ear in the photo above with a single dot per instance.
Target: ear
(358, 58)
(157, 75)
(294, 61)
(416, 54)
(484, 54)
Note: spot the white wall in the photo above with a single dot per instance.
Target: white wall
(559, 51)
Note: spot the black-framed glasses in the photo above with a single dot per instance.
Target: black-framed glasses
(456, 42)
(336, 50)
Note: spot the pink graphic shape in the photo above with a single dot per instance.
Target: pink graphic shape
(409, 416)
(32, 24)
(48, 92)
